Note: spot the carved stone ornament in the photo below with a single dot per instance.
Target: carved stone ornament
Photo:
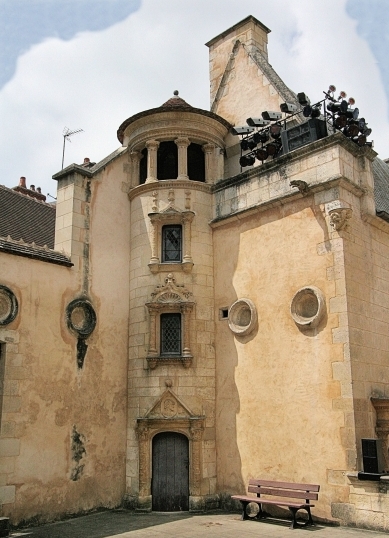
(170, 215)
(308, 307)
(8, 305)
(170, 414)
(339, 217)
(242, 317)
(81, 319)
(169, 298)
(381, 406)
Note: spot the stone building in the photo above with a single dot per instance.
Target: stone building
(192, 324)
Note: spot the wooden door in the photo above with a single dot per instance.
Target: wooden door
(170, 472)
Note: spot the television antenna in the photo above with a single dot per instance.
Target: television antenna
(67, 133)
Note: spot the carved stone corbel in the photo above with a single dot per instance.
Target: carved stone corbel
(339, 217)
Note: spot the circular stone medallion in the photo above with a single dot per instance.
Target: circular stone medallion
(242, 317)
(8, 305)
(81, 317)
(308, 307)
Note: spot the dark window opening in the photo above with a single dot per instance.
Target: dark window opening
(170, 334)
(172, 244)
(167, 161)
(143, 167)
(196, 162)
(223, 313)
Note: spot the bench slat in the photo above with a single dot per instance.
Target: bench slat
(284, 485)
(283, 493)
(259, 500)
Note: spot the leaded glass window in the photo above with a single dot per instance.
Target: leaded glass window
(170, 334)
(172, 244)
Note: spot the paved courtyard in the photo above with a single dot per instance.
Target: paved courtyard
(127, 524)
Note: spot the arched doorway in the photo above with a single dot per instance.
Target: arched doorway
(170, 472)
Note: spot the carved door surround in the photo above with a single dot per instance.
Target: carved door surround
(169, 414)
(169, 298)
(170, 215)
(381, 406)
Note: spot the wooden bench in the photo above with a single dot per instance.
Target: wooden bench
(287, 494)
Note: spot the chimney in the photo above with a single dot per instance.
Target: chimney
(22, 182)
(86, 161)
(39, 190)
(32, 187)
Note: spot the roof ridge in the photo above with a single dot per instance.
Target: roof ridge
(27, 197)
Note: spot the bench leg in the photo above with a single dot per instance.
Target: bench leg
(296, 525)
(244, 513)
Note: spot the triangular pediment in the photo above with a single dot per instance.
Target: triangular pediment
(170, 210)
(169, 405)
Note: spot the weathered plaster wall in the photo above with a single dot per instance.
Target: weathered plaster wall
(63, 427)
(291, 389)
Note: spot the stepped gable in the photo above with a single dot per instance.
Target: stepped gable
(175, 103)
(23, 217)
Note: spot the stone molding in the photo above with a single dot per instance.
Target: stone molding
(381, 406)
(163, 184)
(9, 306)
(169, 298)
(242, 317)
(308, 307)
(170, 414)
(170, 215)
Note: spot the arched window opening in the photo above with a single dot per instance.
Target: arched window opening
(143, 167)
(196, 162)
(167, 160)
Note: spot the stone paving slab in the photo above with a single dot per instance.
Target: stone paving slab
(127, 524)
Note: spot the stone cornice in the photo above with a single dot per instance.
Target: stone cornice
(337, 181)
(168, 184)
(337, 139)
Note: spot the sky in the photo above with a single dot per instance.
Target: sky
(91, 64)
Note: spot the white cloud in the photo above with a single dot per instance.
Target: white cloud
(97, 80)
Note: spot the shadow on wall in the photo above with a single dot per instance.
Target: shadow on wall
(229, 464)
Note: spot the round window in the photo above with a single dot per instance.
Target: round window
(308, 307)
(242, 317)
(81, 317)
(8, 305)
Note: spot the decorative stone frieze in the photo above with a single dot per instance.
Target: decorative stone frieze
(169, 414)
(242, 317)
(308, 307)
(8, 305)
(169, 298)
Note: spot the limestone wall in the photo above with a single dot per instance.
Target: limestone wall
(194, 385)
